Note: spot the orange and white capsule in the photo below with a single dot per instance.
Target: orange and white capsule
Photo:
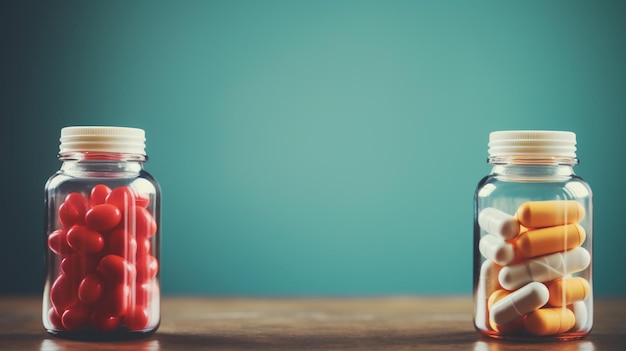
(539, 214)
(568, 290)
(549, 321)
(548, 240)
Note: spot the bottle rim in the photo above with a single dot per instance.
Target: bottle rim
(531, 160)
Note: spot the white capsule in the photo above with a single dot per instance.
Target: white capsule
(544, 268)
(518, 303)
(580, 313)
(496, 249)
(499, 223)
(487, 283)
(478, 346)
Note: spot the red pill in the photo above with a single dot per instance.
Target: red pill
(63, 293)
(72, 210)
(116, 300)
(84, 240)
(121, 244)
(103, 217)
(145, 224)
(77, 266)
(57, 242)
(142, 200)
(90, 288)
(103, 322)
(116, 270)
(55, 319)
(99, 194)
(76, 317)
(136, 318)
(122, 197)
(147, 268)
(143, 246)
(143, 293)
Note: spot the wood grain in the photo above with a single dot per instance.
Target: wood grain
(389, 323)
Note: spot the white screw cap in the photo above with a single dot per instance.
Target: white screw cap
(532, 143)
(102, 139)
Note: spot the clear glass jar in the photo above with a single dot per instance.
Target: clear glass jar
(102, 228)
(533, 226)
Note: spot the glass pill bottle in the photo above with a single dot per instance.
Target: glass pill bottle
(102, 237)
(532, 240)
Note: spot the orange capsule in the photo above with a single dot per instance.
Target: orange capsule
(566, 291)
(538, 214)
(549, 321)
(538, 242)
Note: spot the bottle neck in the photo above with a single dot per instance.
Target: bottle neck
(533, 168)
(101, 164)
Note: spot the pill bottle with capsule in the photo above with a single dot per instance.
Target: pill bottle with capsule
(533, 229)
(102, 237)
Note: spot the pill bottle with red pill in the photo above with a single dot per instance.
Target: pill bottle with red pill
(102, 237)
(533, 229)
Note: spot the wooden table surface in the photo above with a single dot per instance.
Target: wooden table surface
(392, 323)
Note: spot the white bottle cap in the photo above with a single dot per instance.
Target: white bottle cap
(532, 143)
(103, 139)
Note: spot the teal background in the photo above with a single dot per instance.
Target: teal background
(312, 147)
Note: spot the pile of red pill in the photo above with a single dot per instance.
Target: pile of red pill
(106, 276)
